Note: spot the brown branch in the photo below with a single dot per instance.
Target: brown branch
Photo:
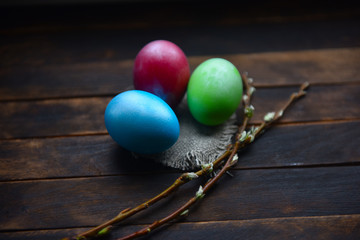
(184, 178)
(231, 161)
(201, 192)
(272, 117)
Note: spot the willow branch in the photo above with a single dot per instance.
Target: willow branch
(126, 213)
(241, 141)
(201, 192)
(272, 117)
(184, 178)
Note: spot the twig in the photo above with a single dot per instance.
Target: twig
(272, 117)
(241, 141)
(201, 192)
(126, 213)
(184, 178)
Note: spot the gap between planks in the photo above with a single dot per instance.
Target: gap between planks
(231, 19)
(294, 57)
(110, 95)
(255, 220)
(175, 171)
(294, 123)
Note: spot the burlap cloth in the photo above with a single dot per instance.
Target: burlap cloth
(197, 144)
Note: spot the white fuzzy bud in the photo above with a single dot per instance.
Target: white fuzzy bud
(185, 212)
(249, 111)
(280, 113)
(243, 136)
(252, 129)
(252, 90)
(252, 137)
(208, 166)
(235, 158)
(192, 175)
(269, 116)
(245, 98)
(200, 193)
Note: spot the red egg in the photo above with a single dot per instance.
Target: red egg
(161, 68)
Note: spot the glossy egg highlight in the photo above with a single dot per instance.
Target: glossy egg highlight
(214, 91)
(141, 122)
(161, 68)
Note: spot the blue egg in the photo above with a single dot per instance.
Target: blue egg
(141, 122)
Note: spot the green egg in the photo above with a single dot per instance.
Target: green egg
(214, 91)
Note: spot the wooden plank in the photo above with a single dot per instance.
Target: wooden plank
(323, 103)
(322, 228)
(106, 78)
(326, 66)
(304, 145)
(88, 45)
(69, 157)
(250, 194)
(328, 227)
(53, 117)
(47, 18)
(298, 145)
(56, 77)
(74, 80)
(85, 115)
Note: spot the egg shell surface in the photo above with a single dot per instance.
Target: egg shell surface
(161, 68)
(214, 92)
(141, 122)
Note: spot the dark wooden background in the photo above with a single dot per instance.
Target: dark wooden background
(61, 173)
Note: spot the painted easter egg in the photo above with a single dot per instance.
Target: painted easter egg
(214, 91)
(141, 122)
(161, 68)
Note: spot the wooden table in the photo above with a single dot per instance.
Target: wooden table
(61, 173)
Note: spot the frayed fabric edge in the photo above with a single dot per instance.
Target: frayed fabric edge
(194, 159)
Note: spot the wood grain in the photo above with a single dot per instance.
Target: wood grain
(84, 45)
(336, 227)
(53, 117)
(69, 157)
(125, 15)
(304, 145)
(73, 80)
(79, 116)
(250, 194)
(283, 146)
(60, 173)
(326, 66)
